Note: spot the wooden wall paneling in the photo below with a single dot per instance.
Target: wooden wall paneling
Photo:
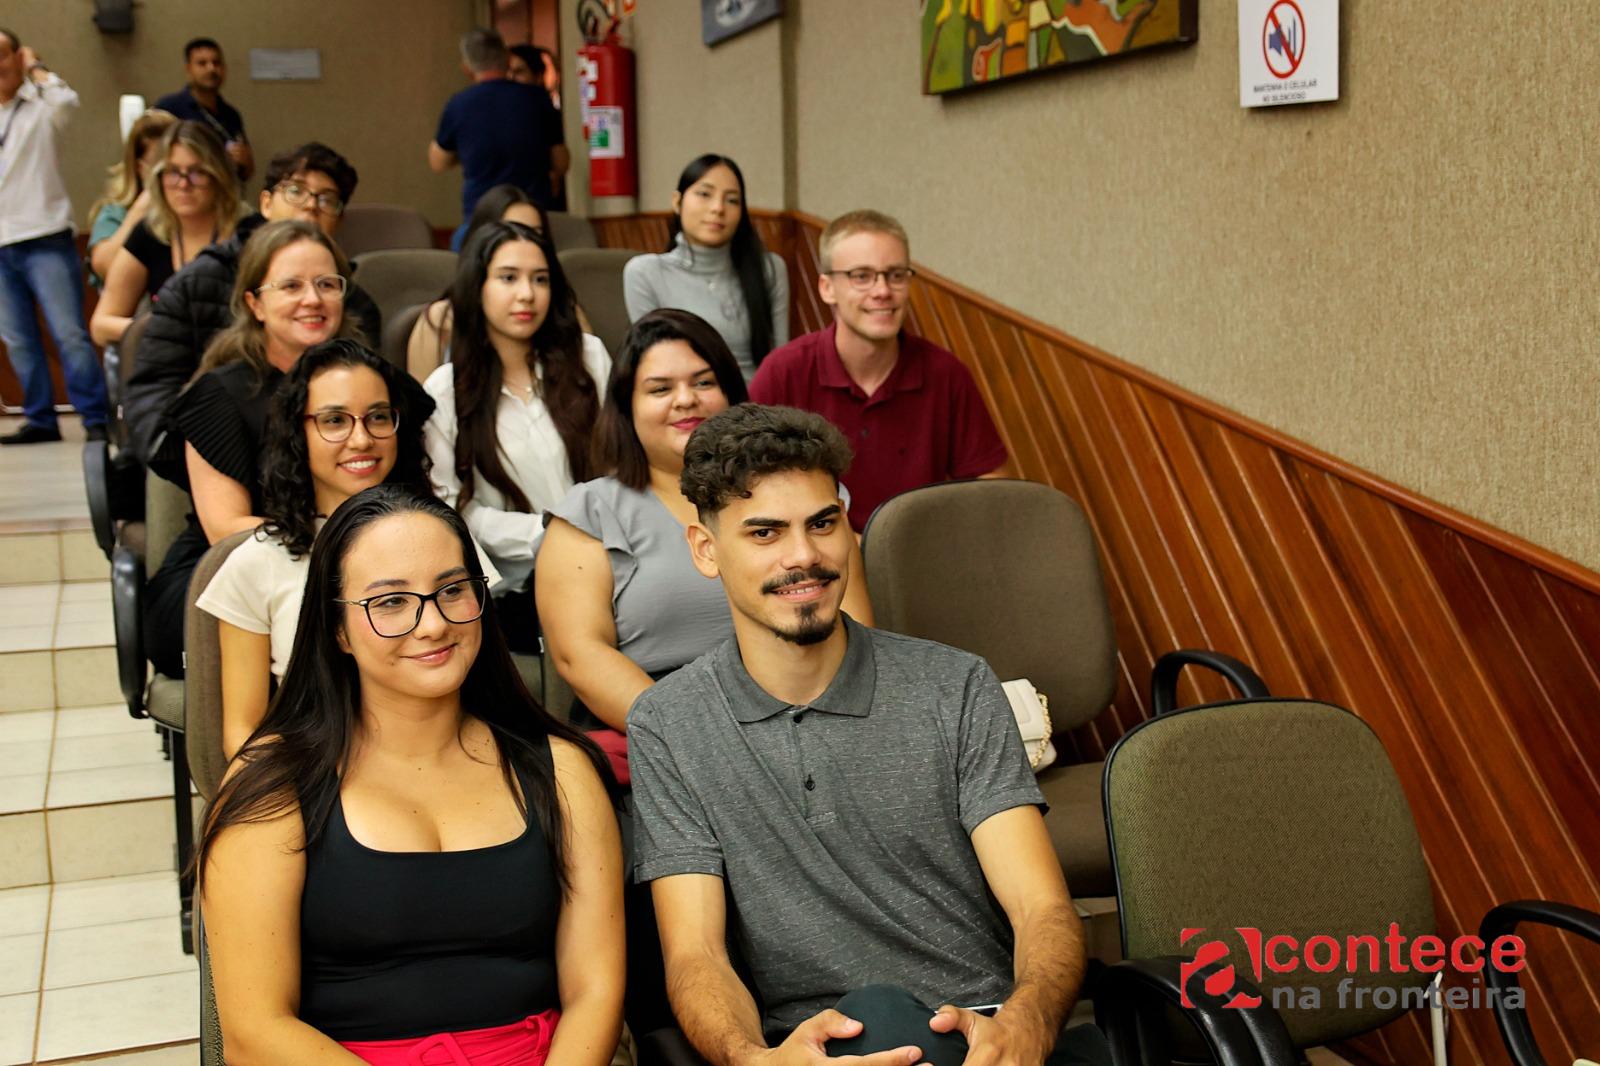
(1472, 655)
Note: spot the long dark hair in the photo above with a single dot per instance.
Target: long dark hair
(289, 499)
(569, 392)
(297, 752)
(748, 252)
(617, 450)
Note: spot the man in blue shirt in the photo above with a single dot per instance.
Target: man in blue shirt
(499, 131)
(201, 101)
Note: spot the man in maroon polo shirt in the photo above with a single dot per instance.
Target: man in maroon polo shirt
(910, 409)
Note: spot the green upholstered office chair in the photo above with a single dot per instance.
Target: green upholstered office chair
(1283, 816)
(595, 274)
(376, 227)
(570, 231)
(398, 278)
(1009, 570)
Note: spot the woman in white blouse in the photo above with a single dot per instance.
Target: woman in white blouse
(515, 405)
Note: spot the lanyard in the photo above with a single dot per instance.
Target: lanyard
(216, 123)
(11, 121)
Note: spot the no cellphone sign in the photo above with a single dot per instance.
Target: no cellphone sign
(1288, 52)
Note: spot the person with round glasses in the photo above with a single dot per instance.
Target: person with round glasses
(410, 856)
(284, 305)
(343, 420)
(194, 202)
(911, 410)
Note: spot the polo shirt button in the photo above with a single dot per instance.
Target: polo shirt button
(799, 716)
(811, 785)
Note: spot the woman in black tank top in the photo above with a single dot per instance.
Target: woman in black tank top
(409, 854)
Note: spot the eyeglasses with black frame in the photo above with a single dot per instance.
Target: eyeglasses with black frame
(335, 427)
(396, 614)
(297, 195)
(864, 278)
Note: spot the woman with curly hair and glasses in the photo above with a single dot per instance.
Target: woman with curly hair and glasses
(342, 421)
(410, 861)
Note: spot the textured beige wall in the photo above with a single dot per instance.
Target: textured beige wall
(692, 100)
(387, 68)
(1405, 278)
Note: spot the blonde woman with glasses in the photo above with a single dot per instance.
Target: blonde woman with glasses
(127, 198)
(194, 201)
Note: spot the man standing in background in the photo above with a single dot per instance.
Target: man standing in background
(39, 265)
(201, 101)
(499, 131)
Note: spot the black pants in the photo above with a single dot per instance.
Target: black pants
(165, 597)
(891, 1017)
(519, 621)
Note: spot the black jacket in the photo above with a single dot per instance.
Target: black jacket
(191, 309)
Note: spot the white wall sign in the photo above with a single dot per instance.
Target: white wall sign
(1288, 52)
(285, 64)
(605, 133)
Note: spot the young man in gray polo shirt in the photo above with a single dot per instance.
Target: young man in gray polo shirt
(857, 796)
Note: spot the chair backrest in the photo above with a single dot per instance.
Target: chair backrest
(1283, 816)
(202, 682)
(1007, 570)
(210, 1021)
(596, 276)
(568, 231)
(374, 227)
(397, 334)
(166, 512)
(397, 278)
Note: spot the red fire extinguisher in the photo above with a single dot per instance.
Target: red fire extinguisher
(605, 76)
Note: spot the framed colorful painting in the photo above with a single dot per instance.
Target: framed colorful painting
(966, 43)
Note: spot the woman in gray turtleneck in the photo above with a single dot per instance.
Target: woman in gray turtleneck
(716, 265)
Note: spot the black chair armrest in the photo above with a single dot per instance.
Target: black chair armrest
(1502, 921)
(1130, 1005)
(97, 483)
(1164, 678)
(127, 612)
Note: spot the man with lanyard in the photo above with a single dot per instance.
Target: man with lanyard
(201, 101)
(39, 265)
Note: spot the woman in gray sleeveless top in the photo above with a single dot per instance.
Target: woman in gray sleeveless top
(618, 596)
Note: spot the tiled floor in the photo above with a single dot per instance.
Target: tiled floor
(90, 962)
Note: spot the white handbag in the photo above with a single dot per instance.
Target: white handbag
(1032, 712)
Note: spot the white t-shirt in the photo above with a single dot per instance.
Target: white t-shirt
(259, 587)
(535, 459)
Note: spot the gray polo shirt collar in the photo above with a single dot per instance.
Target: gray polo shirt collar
(849, 693)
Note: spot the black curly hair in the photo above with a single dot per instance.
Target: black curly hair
(734, 448)
(289, 500)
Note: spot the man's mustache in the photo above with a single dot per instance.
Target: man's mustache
(796, 577)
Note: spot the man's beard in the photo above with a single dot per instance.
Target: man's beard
(808, 628)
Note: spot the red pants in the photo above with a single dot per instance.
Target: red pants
(524, 1043)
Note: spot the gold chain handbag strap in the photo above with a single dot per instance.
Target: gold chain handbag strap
(1034, 757)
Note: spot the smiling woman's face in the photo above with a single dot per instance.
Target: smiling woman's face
(674, 390)
(412, 552)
